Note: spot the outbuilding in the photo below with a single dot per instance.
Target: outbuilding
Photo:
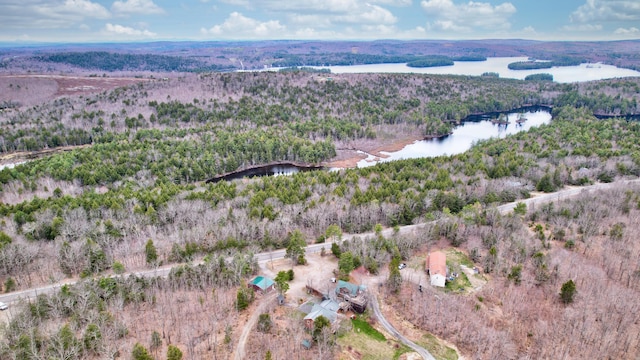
(262, 283)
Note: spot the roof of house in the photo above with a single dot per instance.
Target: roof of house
(349, 287)
(437, 263)
(330, 305)
(262, 282)
(318, 310)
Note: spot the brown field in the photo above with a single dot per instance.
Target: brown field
(30, 89)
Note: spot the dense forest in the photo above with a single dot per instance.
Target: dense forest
(136, 198)
(430, 62)
(539, 77)
(110, 61)
(556, 61)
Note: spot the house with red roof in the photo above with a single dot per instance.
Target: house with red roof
(436, 267)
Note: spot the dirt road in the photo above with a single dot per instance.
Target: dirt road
(376, 310)
(251, 323)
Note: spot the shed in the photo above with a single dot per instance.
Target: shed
(436, 267)
(306, 343)
(262, 283)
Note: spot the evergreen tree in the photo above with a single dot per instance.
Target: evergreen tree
(296, 248)
(174, 353)
(395, 278)
(139, 352)
(567, 292)
(151, 252)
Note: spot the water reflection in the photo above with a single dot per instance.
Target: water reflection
(464, 136)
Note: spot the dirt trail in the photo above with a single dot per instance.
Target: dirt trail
(251, 323)
(383, 321)
(476, 283)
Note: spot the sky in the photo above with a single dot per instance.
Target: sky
(211, 20)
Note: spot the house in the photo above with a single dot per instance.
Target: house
(262, 283)
(353, 295)
(327, 308)
(436, 267)
(347, 288)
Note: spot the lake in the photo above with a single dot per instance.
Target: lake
(474, 128)
(564, 74)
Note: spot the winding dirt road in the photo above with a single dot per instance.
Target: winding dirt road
(383, 321)
(240, 353)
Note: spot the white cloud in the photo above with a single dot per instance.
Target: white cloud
(371, 14)
(630, 31)
(83, 7)
(583, 27)
(41, 14)
(127, 31)
(374, 15)
(468, 17)
(393, 2)
(238, 26)
(315, 6)
(136, 7)
(607, 10)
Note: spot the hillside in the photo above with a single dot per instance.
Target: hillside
(129, 193)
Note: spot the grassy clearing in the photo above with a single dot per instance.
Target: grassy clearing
(458, 257)
(365, 347)
(367, 343)
(459, 284)
(361, 325)
(437, 349)
(454, 259)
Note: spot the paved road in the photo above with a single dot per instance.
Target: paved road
(314, 248)
(376, 310)
(565, 194)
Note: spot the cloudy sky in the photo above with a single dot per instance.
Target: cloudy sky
(150, 20)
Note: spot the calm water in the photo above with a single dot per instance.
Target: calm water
(267, 170)
(463, 137)
(565, 74)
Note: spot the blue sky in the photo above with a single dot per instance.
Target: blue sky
(152, 20)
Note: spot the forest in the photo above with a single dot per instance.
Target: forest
(136, 198)
(110, 61)
(536, 65)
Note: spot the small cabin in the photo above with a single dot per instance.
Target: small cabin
(262, 283)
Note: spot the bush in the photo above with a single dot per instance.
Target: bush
(118, 267)
(9, 285)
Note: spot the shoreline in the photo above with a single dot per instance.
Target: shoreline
(351, 157)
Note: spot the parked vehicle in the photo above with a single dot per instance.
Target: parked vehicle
(3, 306)
(402, 266)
